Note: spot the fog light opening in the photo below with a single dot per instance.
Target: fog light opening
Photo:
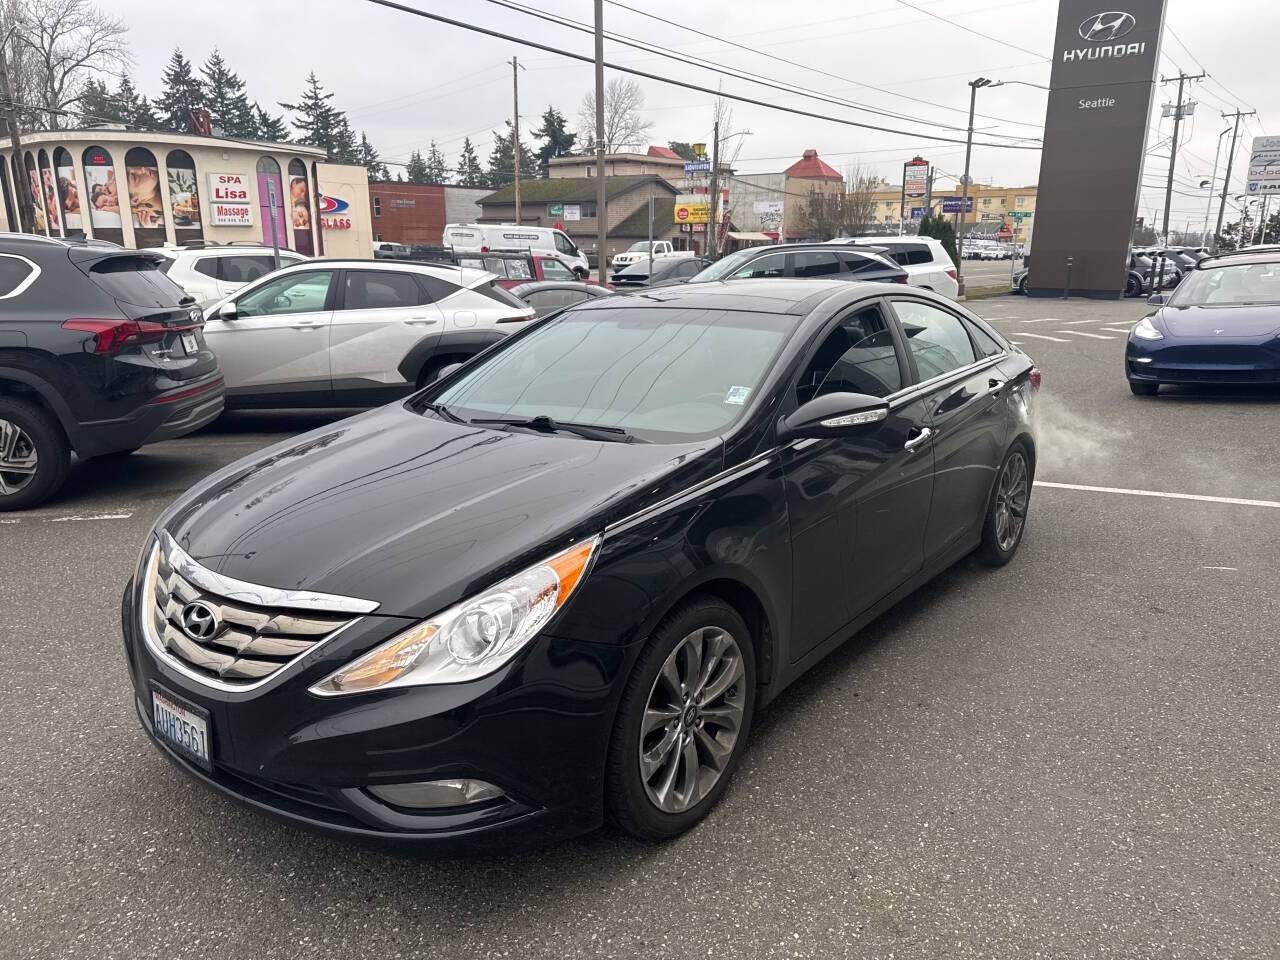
(1143, 359)
(430, 794)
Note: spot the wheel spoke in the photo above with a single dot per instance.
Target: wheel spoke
(712, 657)
(726, 717)
(651, 761)
(655, 717)
(730, 673)
(691, 654)
(713, 751)
(689, 791)
(670, 678)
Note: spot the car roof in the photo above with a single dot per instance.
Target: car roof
(782, 295)
(534, 286)
(1240, 257)
(467, 276)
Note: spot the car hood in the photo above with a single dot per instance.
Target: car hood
(1221, 322)
(416, 513)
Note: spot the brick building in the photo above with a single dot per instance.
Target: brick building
(417, 212)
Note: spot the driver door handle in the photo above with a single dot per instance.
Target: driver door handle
(306, 325)
(995, 386)
(920, 438)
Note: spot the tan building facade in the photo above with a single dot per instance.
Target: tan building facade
(144, 189)
(993, 209)
(670, 168)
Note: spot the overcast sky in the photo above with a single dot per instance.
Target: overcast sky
(407, 81)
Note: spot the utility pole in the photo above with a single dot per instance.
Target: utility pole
(1226, 180)
(1208, 207)
(713, 227)
(515, 126)
(964, 183)
(1173, 148)
(26, 213)
(602, 222)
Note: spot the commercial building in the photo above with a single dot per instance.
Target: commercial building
(570, 203)
(417, 212)
(145, 189)
(996, 210)
(660, 161)
(777, 204)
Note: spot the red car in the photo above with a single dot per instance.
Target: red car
(513, 269)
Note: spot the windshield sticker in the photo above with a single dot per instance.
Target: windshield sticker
(738, 395)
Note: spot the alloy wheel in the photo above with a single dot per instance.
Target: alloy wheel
(692, 719)
(18, 458)
(1012, 492)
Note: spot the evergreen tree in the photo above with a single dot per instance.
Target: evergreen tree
(559, 141)
(135, 109)
(98, 104)
(344, 148)
(268, 127)
(470, 173)
(416, 168)
(316, 119)
(502, 164)
(225, 99)
(183, 92)
(683, 150)
(369, 157)
(437, 169)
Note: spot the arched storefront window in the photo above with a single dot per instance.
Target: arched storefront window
(184, 200)
(37, 200)
(102, 195)
(64, 174)
(300, 207)
(49, 193)
(145, 206)
(270, 185)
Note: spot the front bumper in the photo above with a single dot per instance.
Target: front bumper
(1178, 361)
(538, 728)
(175, 413)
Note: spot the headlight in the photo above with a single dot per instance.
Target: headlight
(1146, 330)
(471, 639)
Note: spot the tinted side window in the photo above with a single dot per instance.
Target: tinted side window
(369, 290)
(495, 292)
(815, 263)
(437, 287)
(137, 280)
(563, 244)
(858, 356)
(244, 269)
(937, 339)
(545, 301)
(12, 273)
(555, 270)
(687, 268)
(919, 255)
(205, 265)
(856, 262)
(773, 265)
(987, 345)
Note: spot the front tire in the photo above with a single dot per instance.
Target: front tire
(1143, 389)
(683, 721)
(1023, 288)
(1006, 518)
(1132, 287)
(34, 454)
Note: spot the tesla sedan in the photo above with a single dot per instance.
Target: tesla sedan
(555, 586)
(1221, 326)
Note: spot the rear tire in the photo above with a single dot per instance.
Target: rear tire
(1023, 288)
(34, 447)
(1007, 509)
(1132, 288)
(689, 732)
(1144, 389)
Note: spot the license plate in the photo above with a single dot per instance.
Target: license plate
(182, 725)
(190, 343)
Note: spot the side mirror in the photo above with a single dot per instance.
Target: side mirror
(448, 371)
(1157, 299)
(228, 311)
(833, 415)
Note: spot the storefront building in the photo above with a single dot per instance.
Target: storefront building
(142, 189)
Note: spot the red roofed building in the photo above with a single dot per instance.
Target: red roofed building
(665, 152)
(811, 167)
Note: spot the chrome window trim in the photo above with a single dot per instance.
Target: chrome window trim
(146, 602)
(27, 281)
(917, 390)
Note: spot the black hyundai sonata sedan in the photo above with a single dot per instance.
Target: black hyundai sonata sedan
(555, 586)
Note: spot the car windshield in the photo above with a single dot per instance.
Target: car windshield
(641, 247)
(1237, 285)
(723, 268)
(662, 374)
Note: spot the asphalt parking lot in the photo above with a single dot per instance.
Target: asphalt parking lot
(1074, 756)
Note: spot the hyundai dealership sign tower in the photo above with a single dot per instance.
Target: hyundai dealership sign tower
(1095, 133)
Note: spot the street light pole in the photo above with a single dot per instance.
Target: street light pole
(515, 127)
(1226, 180)
(602, 222)
(1208, 207)
(964, 195)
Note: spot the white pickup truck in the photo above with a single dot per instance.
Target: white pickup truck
(662, 249)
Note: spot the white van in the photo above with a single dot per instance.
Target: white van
(493, 237)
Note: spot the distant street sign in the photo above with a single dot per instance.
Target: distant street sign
(917, 213)
(555, 210)
(1264, 165)
(1021, 214)
(952, 204)
(697, 166)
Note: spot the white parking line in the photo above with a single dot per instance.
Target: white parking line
(1070, 323)
(73, 518)
(1236, 501)
(1041, 336)
(1042, 320)
(1124, 330)
(1081, 333)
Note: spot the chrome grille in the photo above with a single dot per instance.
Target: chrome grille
(249, 641)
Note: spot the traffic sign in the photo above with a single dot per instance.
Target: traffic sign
(697, 166)
(1021, 214)
(1264, 165)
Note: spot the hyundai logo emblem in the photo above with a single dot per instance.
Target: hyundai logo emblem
(199, 622)
(1105, 27)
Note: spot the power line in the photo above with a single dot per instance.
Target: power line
(805, 66)
(976, 33)
(739, 74)
(524, 41)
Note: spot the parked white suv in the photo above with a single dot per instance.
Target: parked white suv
(211, 273)
(354, 332)
(924, 258)
(662, 249)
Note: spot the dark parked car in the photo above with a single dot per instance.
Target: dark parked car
(556, 585)
(665, 271)
(1221, 325)
(100, 353)
(1136, 281)
(832, 261)
(548, 296)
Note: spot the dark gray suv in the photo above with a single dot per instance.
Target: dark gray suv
(811, 261)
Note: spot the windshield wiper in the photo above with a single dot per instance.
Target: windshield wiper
(441, 409)
(545, 424)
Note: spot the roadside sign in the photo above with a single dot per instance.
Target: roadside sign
(1264, 165)
(1020, 214)
(555, 210)
(915, 177)
(952, 204)
(693, 208)
(572, 211)
(917, 213)
(697, 166)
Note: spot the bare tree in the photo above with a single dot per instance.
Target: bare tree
(58, 45)
(623, 124)
(844, 212)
